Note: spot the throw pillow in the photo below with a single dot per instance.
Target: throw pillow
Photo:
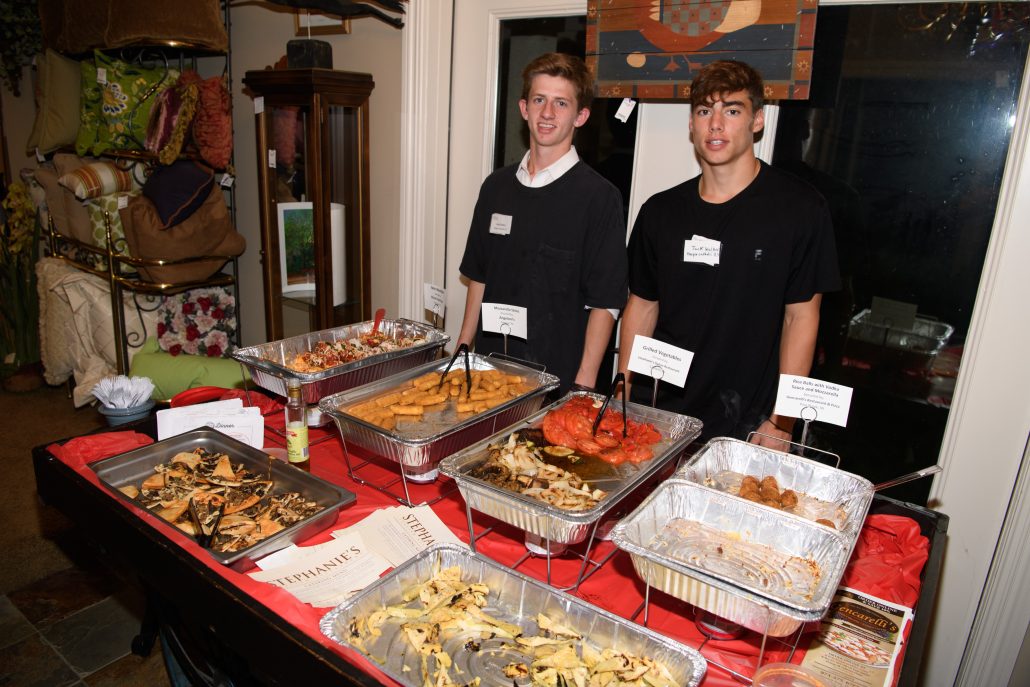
(197, 322)
(128, 92)
(89, 107)
(174, 374)
(208, 231)
(212, 126)
(97, 179)
(57, 103)
(69, 216)
(108, 204)
(178, 190)
(171, 118)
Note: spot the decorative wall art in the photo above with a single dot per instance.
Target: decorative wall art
(653, 48)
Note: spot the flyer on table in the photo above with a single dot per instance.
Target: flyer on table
(858, 641)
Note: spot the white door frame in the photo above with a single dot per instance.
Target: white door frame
(989, 423)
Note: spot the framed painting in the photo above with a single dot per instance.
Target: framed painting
(653, 50)
(296, 247)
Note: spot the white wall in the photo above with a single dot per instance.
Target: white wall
(259, 35)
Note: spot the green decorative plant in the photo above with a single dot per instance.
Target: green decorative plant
(19, 303)
(21, 39)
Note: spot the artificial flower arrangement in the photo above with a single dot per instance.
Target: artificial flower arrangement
(197, 322)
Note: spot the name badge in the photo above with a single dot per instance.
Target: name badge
(701, 250)
(500, 224)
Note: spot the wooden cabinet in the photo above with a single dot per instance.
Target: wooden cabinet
(313, 179)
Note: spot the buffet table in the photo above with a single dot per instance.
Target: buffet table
(255, 633)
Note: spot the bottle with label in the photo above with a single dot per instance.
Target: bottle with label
(297, 449)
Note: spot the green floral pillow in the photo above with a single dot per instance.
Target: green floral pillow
(127, 92)
(109, 203)
(89, 108)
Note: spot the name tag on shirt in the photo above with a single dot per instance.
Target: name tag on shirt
(702, 250)
(500, 224)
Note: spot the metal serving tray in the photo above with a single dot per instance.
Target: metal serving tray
(420, 446)
(514, 598)
(136, 465)
(845, 497)
(268, 362)
(880, 344)
(555, 524)
(712, 572)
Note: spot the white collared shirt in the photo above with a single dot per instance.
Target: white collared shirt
(547, 175)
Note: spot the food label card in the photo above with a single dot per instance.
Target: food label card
(433, 298)
(813, 399)
(893, 314)
(505, 319)
(858, 641)
(655, 358)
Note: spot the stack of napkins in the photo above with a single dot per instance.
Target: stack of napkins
(326, 575)
(228, 417)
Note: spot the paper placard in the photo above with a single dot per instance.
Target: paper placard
(227, 180)
(123, 202)
(259, 104)
(893, 314)
(229, 417)
(505, 319)
(625, 109)
(271, 158)
(651, 355)
(434, 298)
(813, 399)
(102, 76)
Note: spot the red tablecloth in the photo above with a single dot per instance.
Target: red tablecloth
(887, 560)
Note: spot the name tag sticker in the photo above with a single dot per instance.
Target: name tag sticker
(505, 319)
(658, 359)
(433, 298)
(500, 224)
(701, 250)
(813, 399)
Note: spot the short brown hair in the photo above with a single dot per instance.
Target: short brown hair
(727, 76)
(568, 67)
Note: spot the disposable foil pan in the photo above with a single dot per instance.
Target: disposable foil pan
(136, 465)
(824, 492)
(513, 598)
(268, 362)
(558, 525)
(736, 569)
(420, 446)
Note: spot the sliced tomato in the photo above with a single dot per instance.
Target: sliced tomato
(607, 439)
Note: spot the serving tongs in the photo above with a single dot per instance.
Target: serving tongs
(380, 314)
(619, 379)
(463, 348)
(204, 536)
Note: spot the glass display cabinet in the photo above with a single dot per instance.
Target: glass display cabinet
(312, 150)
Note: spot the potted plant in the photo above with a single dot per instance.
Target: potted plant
(20, 39)
(19, 303)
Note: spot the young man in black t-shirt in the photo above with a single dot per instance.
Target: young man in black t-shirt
(548, 235)
(755, 313)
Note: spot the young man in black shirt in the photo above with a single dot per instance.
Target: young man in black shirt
(548, 235)
(755, 313)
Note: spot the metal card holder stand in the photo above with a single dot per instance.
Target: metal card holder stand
(387, 487)
(274, 434)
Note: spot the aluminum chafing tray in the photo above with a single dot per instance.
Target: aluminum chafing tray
(420, 446)
(742, 568)
(136, 465)
(843, 497)
(555, 524)
(879, 343)
(267, 362)
(514, 598)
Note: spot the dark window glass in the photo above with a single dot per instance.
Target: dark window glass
(906, 134)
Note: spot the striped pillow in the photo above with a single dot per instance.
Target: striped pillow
(97, 179)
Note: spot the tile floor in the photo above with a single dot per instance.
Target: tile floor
(74, 628)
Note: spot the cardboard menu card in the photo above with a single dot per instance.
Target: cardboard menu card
(858, 641)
